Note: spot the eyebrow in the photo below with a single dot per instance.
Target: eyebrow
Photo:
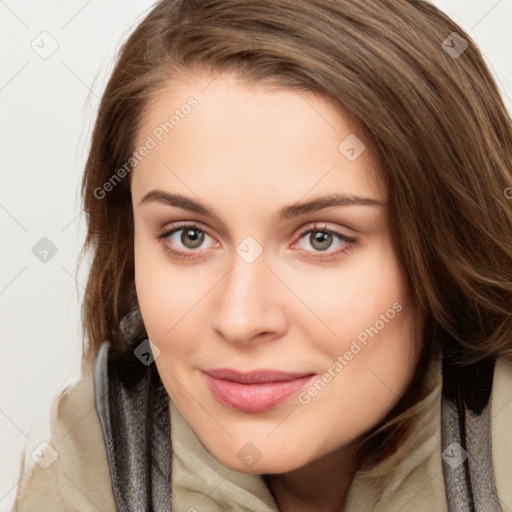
(287, 212)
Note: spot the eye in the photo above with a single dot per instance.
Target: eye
(184, 239)
(320, 238)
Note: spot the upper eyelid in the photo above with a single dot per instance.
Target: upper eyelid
(184, 225)
(317, 227)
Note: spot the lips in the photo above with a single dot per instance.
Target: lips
(254, 391)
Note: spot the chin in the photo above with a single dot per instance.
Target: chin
(256, 462)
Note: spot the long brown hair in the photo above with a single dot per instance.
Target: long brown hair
(428, 106)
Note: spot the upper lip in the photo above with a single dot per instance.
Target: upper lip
(255, 376)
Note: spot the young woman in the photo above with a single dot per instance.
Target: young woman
(301, 291)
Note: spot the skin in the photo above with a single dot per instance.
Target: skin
(247, 151)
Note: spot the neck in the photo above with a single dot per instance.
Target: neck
(321, 484)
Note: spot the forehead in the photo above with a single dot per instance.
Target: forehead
(212, 133)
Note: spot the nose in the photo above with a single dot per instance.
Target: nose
(247, 304)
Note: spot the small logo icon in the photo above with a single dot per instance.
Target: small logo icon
(351, 147)
(249, 249)
(45, 45)
(249, 454)
(454, 455)
(454, 45)
(44, 455)
(147, 352)
(44, 250)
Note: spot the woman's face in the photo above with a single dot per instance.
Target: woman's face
(262, 273)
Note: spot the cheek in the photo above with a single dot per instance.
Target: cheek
(172, 299)
(367, 383)
(355, 296)
(383, 379)
(374, 347)
(155, 286)
(384, 330)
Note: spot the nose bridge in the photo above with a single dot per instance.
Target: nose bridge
(246, 283)
(246, 301)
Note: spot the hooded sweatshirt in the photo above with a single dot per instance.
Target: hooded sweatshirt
(73, 469)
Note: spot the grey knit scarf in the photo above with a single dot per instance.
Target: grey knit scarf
(133, 408)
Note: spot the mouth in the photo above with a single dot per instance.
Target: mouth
(254, 391)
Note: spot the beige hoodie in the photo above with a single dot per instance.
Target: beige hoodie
(71, 472)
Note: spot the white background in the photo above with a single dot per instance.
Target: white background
(48, 109)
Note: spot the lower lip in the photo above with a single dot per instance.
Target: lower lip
(254, 397)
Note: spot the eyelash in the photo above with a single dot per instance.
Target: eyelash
(321, 255)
